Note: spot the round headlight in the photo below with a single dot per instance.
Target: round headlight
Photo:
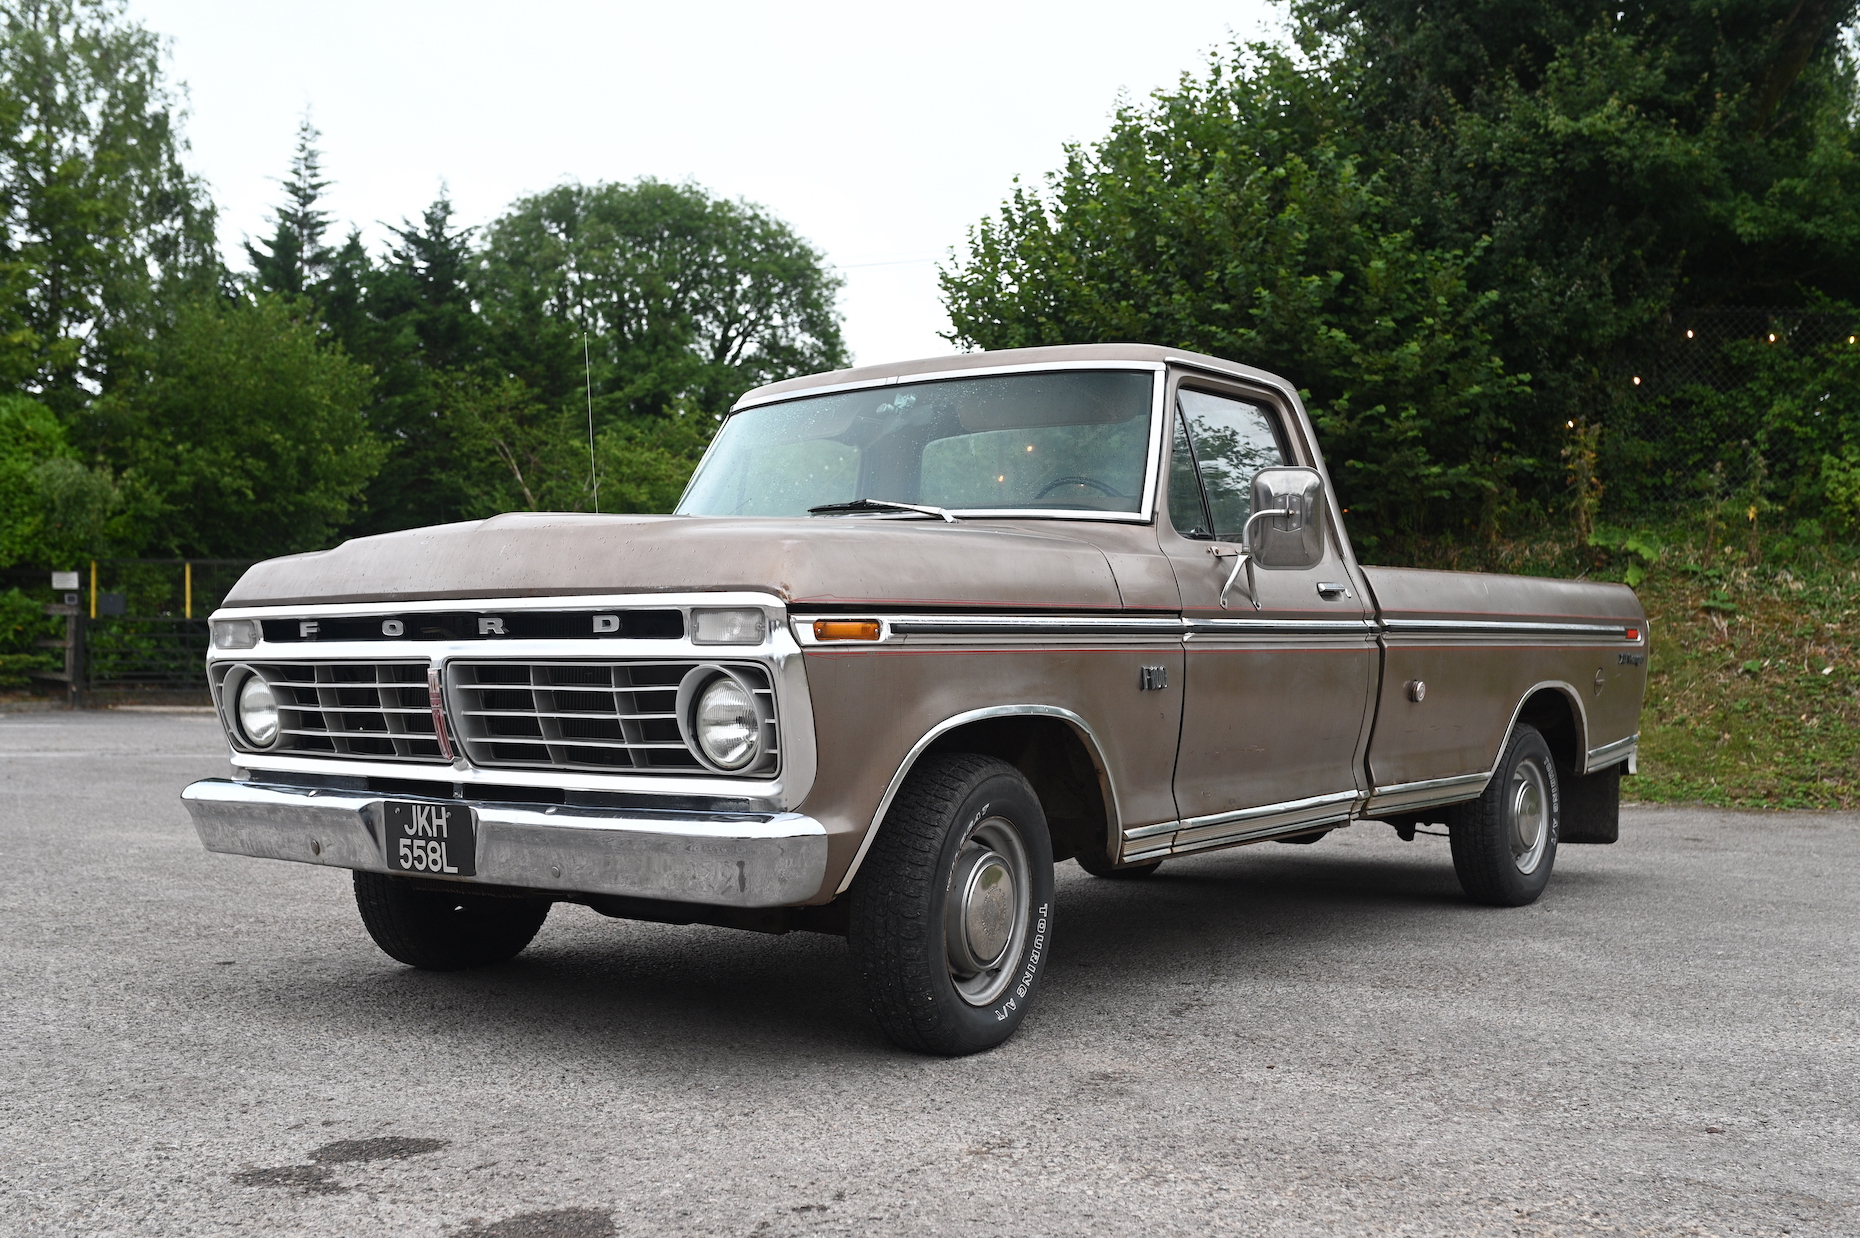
(258, 711)
(726, 724)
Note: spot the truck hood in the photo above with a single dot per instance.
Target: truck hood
(838, 561)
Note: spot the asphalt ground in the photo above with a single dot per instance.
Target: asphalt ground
(1275, 1040)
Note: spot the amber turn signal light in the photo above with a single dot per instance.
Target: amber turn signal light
(846, 629)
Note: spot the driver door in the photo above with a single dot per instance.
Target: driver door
(1275, 694)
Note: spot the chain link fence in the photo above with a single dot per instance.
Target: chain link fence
(1709, 416)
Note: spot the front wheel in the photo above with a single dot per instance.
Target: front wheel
(1504, 842)
(439, 930)
(952, 912)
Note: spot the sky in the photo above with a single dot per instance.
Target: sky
(881, 133)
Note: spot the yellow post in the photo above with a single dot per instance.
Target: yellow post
(93, 588)
(187, 572)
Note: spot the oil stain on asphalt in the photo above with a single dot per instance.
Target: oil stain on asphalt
(317, 1178)
(557, 1223)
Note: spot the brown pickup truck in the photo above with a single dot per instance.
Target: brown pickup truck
(915, 634)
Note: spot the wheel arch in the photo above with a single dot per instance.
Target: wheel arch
(1555, 708)
(1055, 749)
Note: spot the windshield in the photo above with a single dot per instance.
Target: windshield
(1075, 440)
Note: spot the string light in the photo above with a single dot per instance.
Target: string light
(1637, 380)
(1688, 333)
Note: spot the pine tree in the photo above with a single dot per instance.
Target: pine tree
(424, 278)
(419, 332)
(295, 262)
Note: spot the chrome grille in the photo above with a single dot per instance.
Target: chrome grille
(603, 716)
(375, 710)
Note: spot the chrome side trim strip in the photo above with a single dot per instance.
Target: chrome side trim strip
(1499, 627)
(1427, 793)
(1259, 833)
(723, 860)
(1217, 828)
(1151, 831)
(1275, 625)
(1612, 754)
(1091, 625)
(950, 724)
(1351, 629)
(1032, 625)
(1244, 825)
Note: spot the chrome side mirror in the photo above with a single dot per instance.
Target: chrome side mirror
(1286, 529)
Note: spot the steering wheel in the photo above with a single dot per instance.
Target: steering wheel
(1093, 482)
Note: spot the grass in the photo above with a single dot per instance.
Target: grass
(1753, 695)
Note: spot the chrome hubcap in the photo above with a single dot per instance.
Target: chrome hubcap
(985, 919)
(1528, 807)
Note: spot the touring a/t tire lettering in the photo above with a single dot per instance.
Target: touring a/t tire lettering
(915, 634)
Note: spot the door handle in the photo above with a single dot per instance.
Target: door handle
(1330, 590)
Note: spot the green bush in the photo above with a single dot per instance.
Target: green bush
(23, 624)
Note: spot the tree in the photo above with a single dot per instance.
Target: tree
(100, 225)
(294, 262)
(1486, 207)
(53, 508)
(1234, 216)
(413, 322)
(1621, 160)
(679, 295)
(249, 431)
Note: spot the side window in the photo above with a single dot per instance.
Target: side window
(1232, 440)
(1187, 511)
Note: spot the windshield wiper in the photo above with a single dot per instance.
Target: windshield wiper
(879, 505)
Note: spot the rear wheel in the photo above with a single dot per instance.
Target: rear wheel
(1504, 842)
(439, 930)
(951, 914)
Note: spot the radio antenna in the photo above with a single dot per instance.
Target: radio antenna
(594, 480)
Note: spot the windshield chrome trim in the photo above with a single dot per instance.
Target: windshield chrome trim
(1152, 471)
(745, 403)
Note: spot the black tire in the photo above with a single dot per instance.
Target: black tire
(437, 930)
(1503, 846)
(1096, 866)
(954, 812)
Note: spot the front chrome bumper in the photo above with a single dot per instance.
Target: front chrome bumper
(724, 859)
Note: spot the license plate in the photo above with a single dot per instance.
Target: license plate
(431, 838)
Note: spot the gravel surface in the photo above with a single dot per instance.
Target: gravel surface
(1275, 1040)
